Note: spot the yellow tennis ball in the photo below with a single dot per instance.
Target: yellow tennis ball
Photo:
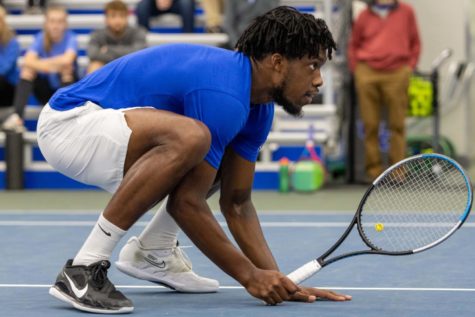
(379, 227)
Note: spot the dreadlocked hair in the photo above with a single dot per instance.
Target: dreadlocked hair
(286, 31)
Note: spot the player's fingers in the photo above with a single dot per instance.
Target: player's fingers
(303, 297)
(330, 295)
(282, 292)
(290, 286)
(273, 298)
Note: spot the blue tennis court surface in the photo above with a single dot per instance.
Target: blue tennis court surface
(439, 282)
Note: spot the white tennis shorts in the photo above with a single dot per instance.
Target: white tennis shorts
(87, 143)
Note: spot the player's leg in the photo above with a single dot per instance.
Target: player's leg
(77, 143)
(97, 146)
(154, 256)
(395, 90)
(369, 102)
(163, 147)
(152, 237)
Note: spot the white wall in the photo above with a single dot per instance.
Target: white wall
(442, 24)
(446, 24)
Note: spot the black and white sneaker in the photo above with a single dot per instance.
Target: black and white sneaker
(87, 288)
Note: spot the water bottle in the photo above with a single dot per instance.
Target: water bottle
(284, 179)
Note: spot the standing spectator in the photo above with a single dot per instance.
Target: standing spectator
(213, 10)
(9, 52)
(151, 8)
(49, 64)
(117, 39)
(383, 51)
(35, 6)
(238, 14)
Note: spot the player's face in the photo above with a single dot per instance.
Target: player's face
(56, 24)
(116, 21)
(300, 84)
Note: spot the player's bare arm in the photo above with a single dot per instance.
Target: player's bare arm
(237, 175)
(187, 204)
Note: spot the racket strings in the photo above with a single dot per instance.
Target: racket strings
(414, 205)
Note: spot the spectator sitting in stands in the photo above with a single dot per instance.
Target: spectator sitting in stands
(49, 64)
(117, 39)
(149, 8)
(9, 52)
(213, 15)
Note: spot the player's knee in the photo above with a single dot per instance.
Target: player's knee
(196, 140)
(180, 202)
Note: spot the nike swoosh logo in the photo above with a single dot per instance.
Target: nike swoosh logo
(78, 292)
(160, 265)
(105, 232)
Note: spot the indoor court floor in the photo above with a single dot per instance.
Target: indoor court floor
(40, 230)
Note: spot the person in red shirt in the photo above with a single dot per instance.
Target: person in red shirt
(383, 51)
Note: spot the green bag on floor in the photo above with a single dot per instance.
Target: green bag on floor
(308, 176)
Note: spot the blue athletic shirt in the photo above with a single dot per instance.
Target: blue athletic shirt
(8, 58)
(206, 83)
(68, 42)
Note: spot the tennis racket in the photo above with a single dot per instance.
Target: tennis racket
(412, 206)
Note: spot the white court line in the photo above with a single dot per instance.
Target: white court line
(262, 212)
(389, 289)
(269, 224)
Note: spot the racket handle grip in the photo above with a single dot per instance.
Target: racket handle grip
(304, 272)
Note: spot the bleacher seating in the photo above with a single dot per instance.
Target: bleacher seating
(89, 9)
(86, 15)
(99, 4)
(84, 23)
(318, 124)
(152, 39)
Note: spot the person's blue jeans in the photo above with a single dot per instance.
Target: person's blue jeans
(185, 8)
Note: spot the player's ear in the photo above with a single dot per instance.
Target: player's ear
(277, 62)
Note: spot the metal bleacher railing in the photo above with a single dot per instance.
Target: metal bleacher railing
(286, 130)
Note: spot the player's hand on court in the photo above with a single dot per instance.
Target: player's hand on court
(272, 287)
(311, 294)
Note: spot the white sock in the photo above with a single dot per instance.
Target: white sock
(100, 243)
(161, 231)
